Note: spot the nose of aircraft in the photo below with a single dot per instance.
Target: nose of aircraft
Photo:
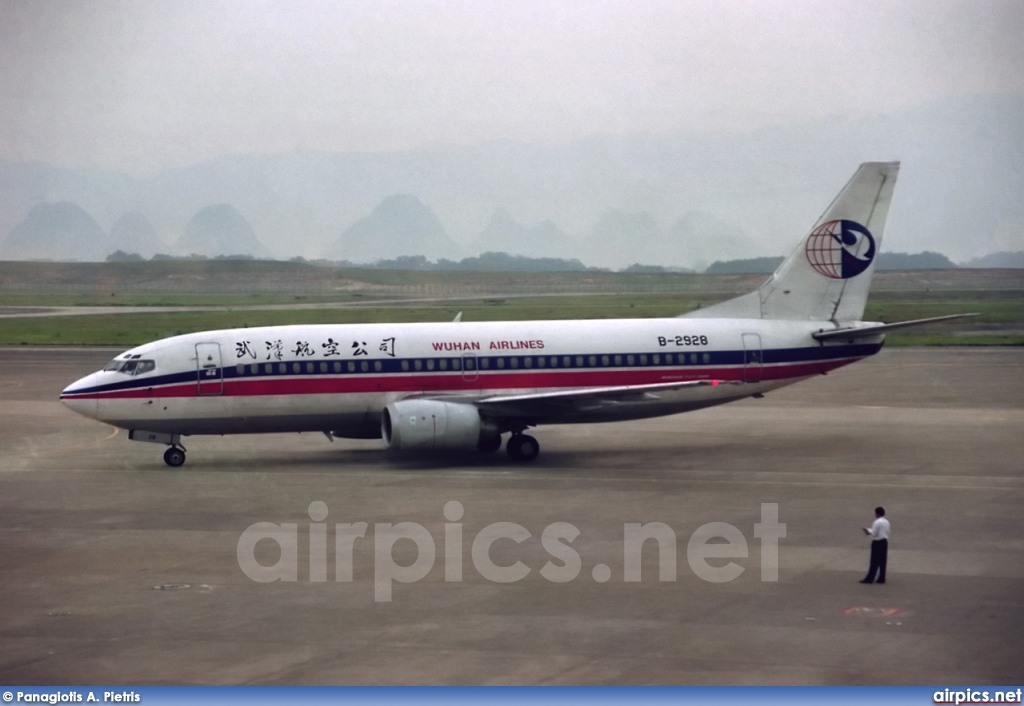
(76, 397)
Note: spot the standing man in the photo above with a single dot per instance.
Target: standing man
(879, 533)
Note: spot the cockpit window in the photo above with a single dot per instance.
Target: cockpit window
(131, 367)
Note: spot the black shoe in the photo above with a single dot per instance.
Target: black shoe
(866, 581)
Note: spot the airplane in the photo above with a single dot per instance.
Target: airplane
(467, 385)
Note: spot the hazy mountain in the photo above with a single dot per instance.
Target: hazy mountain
(56, 231)
(959, 191)
(219, 230)
(400, 225)
(133, 233)
(698, 239)
(620, 238)
(102, 194)
(505, 234)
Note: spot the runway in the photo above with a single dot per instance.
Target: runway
(115, 569)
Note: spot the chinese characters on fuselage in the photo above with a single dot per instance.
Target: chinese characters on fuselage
(330, 348)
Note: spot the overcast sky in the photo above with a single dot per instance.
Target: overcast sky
(142, 84)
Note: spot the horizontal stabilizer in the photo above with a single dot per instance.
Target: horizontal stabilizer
(855, 332)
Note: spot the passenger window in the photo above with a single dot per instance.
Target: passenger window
(323, 367)
(554, 361)
(240, 370)
(457, 364)
(618, 360)
(500, 362)
(405, 365)
(540, 361)
(364, 366)
(513, 362)
(377, 365)
(630, 360)
(643, 359)
(693, 359)
(430, 364)
(707, 358)
(593, 361)
(579, 361)
(282, 368)
(309, 367)
(296, 368)
(485, 363)
(657, 359)
(268, 368)
(527, 362)
(254, 369)
(337, 366)
(443, 364)
(418, 364)
(605, 361)
(351, 366)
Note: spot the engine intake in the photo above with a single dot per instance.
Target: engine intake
(433, 424)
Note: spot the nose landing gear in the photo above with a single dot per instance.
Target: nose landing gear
(174, 456)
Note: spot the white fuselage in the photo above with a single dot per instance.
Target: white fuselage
(338, 378)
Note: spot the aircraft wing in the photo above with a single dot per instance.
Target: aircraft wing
(586, 399)
(855, 332)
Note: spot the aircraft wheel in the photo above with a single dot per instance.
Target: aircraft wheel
(174, 456)
(522, 447)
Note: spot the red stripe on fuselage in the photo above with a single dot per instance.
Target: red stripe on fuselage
(453, 381)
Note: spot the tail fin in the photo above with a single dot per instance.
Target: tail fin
(828, 276)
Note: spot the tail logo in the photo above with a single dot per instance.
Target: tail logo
(840, 249)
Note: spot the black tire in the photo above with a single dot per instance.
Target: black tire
(174, 457)
(523, 448)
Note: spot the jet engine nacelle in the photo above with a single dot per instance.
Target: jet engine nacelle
(432, 424)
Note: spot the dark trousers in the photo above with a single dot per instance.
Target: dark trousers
(879, 557)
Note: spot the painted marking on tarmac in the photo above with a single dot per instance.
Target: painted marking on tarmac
(871, 611)
(73, 447)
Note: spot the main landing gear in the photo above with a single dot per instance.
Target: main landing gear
(174, 456)
(522, 447)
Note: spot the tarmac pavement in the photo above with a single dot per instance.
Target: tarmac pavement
(115, 569)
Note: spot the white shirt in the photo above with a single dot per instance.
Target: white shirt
(879, 529)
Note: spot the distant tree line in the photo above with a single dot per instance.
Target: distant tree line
(503, 262)
(122, 256)
(886, 261)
